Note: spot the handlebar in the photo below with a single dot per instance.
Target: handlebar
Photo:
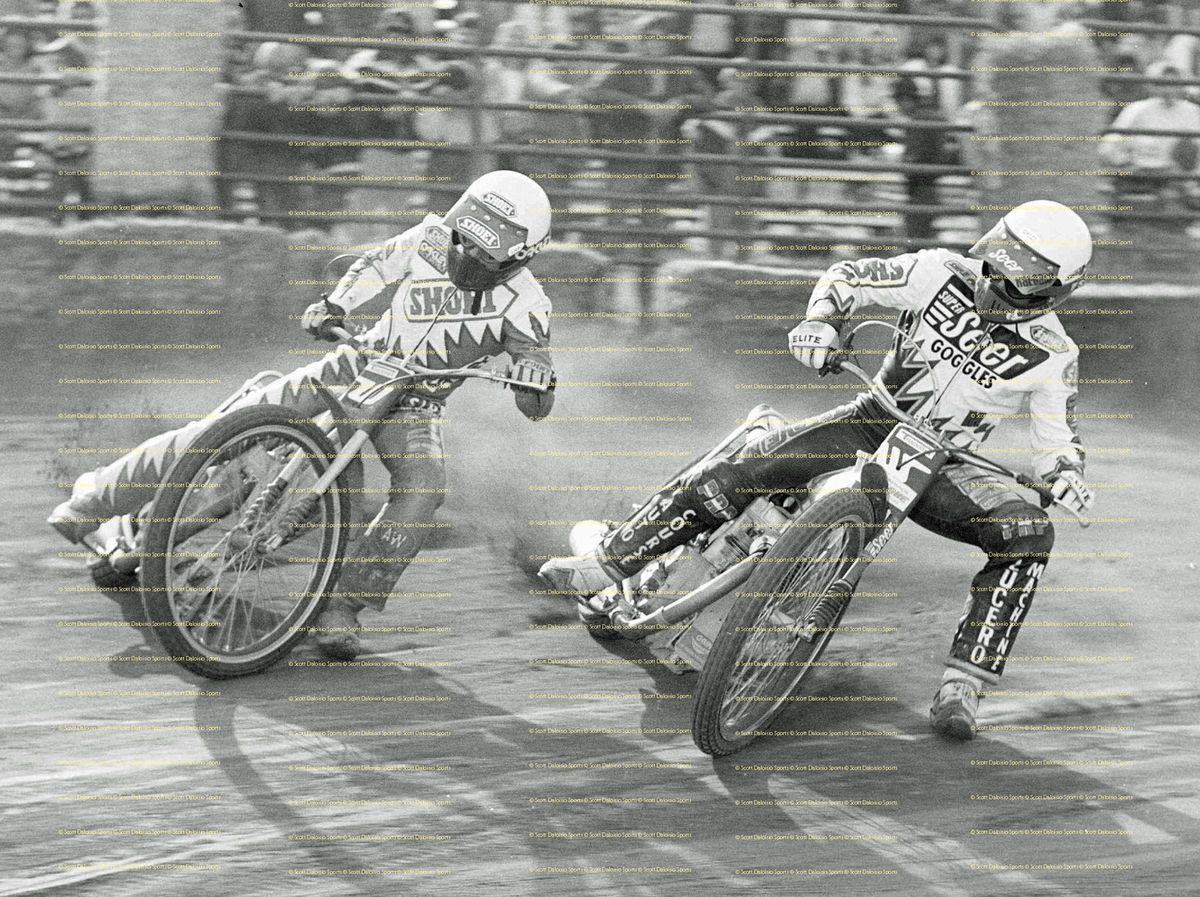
(466, 372)
(838, 362)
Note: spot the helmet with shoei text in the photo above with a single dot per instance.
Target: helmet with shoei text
(500, 222)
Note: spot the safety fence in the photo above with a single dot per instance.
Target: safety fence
(738, 194)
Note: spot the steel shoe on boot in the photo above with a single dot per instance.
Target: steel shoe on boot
(954, 708)
(337, 629)
(74, 519)
(82, 513)
(585, 574)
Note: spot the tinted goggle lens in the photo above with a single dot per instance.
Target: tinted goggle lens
(482, 257)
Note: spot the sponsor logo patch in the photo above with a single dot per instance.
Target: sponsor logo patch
(434, 245)
(962, 271)
(1070, 375)
(962, 340)
(500, 204)
(434, 255)
(1043, 336)
(875, 546)
(487, 237)
(879, 271)
(425, 299)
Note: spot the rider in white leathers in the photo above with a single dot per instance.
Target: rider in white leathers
(985, 322)
(457, 289)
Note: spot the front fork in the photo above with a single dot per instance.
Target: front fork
(334, 420)
(286, 529)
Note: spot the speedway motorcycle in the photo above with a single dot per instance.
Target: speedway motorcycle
(753, 604)
(243, 543)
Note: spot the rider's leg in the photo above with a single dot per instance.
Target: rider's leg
(783, 460)
(410, 446)
(124, 485)
(970, 506)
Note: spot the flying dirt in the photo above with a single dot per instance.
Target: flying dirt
(486, 744)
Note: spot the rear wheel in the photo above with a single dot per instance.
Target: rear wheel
(779, 624)
(223, 603)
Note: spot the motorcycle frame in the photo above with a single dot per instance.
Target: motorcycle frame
(893, 477)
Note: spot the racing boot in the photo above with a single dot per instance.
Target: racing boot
(675, 515)
(337, 629)
(955, 705)
(81, 514)
(581, 575)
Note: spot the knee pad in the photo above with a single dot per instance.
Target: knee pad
(1018, 527)
(721, 490)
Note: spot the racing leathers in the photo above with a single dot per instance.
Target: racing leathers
(427, 319)
(978, 372)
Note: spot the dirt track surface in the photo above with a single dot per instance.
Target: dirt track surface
(488, 746)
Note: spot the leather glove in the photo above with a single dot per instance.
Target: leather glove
(535, 376)
(1068, 487)
(320, 317)
(812, 341)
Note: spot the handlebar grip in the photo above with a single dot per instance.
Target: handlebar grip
(342, 333)
(833, 363)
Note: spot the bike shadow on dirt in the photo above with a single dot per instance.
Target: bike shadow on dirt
(504, 809)
(945, 810)
(137, 660)
(308, 766)
(853, 759)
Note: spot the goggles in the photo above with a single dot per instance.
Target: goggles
(1022, 275)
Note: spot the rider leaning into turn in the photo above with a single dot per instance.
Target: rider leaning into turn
(986, 324)
(458, 290)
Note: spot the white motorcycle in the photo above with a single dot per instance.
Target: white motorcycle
(753, 604)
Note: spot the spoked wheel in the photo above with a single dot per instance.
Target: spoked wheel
(779, 624)
(223, 601)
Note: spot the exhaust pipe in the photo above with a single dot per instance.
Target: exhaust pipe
(696, 600)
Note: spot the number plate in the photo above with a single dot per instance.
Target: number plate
(910, 459)
(378, 371)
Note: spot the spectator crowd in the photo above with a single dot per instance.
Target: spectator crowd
(438, 95)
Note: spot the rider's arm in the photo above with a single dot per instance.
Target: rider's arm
(901, 282)
(1052, 430)
(369, 276)
(526, 337)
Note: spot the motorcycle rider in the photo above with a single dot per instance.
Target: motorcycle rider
(986, 323)
(458, 289)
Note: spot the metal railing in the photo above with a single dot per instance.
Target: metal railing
(34, 150)
(477, 154)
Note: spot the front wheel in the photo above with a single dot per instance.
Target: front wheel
(221, 601)
(779, 623)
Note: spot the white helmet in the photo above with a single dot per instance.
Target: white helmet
(1033, 259)
(496, 227)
